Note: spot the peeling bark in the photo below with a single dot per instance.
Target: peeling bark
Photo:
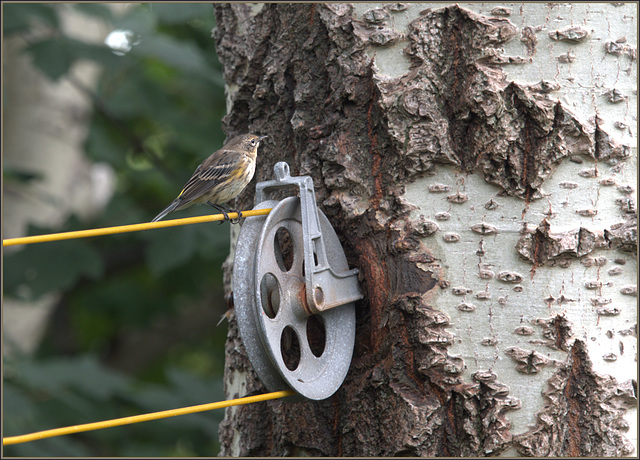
(542, 245)
(455, 106)
(583, 417)
(300, 73)
(557, 331)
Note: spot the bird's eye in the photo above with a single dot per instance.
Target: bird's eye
(253, 142)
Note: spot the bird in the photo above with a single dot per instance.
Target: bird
(221, 177)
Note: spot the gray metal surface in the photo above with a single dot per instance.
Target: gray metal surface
(337, 287)
(270, 296)
(244, 300)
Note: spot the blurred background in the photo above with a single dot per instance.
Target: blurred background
(107, 110)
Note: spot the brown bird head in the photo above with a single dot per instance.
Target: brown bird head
(247, 143)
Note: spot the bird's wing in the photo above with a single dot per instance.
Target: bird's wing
(211, 172)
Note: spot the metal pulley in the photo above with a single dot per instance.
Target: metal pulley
(294, 292)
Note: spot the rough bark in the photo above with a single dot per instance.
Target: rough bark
(301, 74)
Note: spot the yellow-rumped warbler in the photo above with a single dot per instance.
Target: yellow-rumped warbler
(221, 177)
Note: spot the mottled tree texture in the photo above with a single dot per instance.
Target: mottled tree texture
(301, 75)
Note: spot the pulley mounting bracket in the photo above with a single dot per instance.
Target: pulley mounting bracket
(294, 294)
(325, 289)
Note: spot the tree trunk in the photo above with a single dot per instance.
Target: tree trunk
(477, 164)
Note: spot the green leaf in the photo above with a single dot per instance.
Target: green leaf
(20, 175)
(196, 390)
(83, 375)
(94, 326)
(63, 446)
(17, 17)
(18, 406)
(139, 96)
(104, 144)
(43, 394)
(135, 448)
(182, 55)
(98, 53)
(176, 13)
(54, 56)
(132, 298)
(170, 247)
(154, 398)
(94, 9)
(137, 20)
(120, 211)
(46, 267)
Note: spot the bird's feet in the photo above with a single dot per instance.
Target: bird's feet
(237, 219)
(224, 210)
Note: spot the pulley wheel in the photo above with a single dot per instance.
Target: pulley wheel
(287, 347)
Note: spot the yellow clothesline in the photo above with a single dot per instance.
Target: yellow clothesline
(143, 418)
(128, 228)
(156, 415)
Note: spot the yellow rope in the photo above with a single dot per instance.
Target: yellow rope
(143, 418)
(128, 228)
(155, 415)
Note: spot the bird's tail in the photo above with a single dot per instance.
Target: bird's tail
(172, 207)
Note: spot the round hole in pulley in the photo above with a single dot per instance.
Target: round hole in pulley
(316, 334)
(283, 247)
(270, 295)
(290, 348)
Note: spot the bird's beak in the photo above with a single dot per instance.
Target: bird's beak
(261, 138)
